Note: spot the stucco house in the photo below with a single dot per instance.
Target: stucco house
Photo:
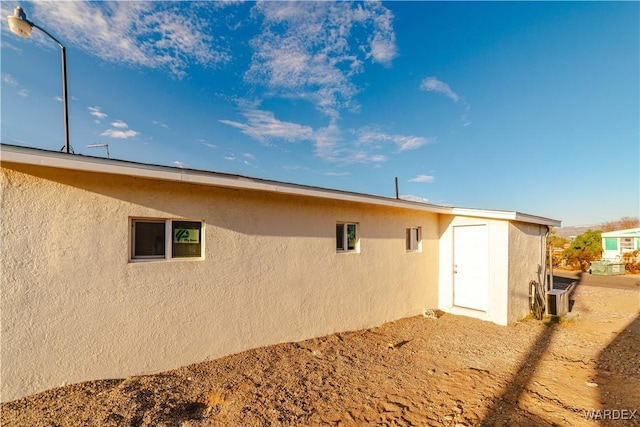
(617, 243)
(112, 268)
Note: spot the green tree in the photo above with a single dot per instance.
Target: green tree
(584, 248)
(557, 241)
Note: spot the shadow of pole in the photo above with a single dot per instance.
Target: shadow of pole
(505, 410)
(619, 379)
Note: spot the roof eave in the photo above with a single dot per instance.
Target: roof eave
(31, 156)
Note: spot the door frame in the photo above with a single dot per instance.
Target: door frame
(483, 275)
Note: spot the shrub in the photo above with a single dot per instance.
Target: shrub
(631, 261)
(585, 248)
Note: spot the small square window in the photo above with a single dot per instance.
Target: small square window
(148, 239)
(611, 243)
(346, 237)
(626, 244)
(414, 239)
(165, 239)
(186, 239)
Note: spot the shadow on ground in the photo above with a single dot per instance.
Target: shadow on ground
(618, 368)
(504, 410)
(619, 378)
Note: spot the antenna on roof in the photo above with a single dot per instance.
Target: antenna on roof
(397, 194)
(100, 146)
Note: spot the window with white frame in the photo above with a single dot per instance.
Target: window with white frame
(626, 244)
(346, 237)
(155, 239)
(414, 239)
(610, 243)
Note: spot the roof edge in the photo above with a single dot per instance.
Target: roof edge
(628, 232)
(54, 159)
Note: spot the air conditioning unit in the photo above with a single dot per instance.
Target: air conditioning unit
(557, 302)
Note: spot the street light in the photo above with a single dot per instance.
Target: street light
(18, 24)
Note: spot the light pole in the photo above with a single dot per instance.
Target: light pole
(18, 24)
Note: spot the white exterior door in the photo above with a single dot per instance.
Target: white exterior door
(471, 267)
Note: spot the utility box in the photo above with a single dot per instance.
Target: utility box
(606, 268)
(557, 302)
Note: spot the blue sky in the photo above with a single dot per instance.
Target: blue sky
(531, 107)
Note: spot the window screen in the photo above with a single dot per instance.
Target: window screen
(149, 239)
(340, 237)
(351, 237)
(413, 239)
(346, 238)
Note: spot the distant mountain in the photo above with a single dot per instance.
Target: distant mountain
(621, 224)
(567, 232)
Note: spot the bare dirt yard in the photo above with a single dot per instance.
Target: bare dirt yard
(448, 371)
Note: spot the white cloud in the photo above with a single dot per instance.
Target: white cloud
(383, 42)
(412, 198)
(363, 157)
(6, 45)
(295, 168)
(329, 143)
(95, 112)
(330, 146)
(338, 174)
(161, 124)
(165, 35)
(378, 158)
(207, 144)
(263, 126)
(219, 4)
(24, 93)
(9, 79)
(248, 156)
(465, 117)
(423, 178)
(308, 50)
(179, 164)
(371, 137)
(411, 142)
(120, 134)
(326, 141)
(119, 124)
(59, 98)
(432, 84)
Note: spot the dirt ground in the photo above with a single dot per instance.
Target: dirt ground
(446, 371)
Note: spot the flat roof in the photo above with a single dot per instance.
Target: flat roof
(629, 232)
(56, 159)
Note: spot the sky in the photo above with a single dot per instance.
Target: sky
(531, 107)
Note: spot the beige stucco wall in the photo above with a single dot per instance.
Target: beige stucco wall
(526, 259)
(498, 233)
(74, 308)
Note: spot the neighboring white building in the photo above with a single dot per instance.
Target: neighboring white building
(113, 268)
(616, 243)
